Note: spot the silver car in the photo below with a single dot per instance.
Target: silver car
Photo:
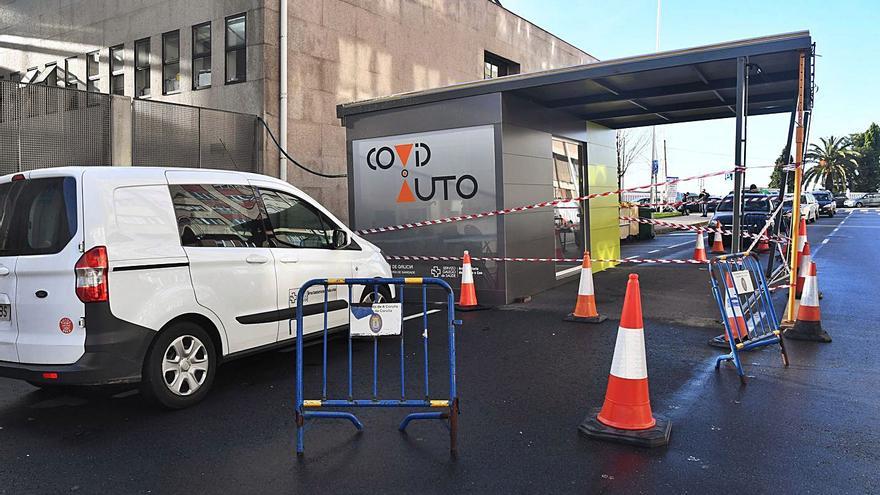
(870, 199)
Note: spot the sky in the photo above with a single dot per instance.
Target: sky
(847, 68)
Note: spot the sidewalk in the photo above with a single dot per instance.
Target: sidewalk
(694, 220)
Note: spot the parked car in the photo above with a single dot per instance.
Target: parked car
(870, 199)
(757, 210)
(840, 200)
(156, 276)
(809, 206)
(713, 203)
(825, 200)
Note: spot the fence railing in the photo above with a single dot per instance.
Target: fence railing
(47, 126)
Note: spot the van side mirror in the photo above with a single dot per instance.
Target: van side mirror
(340, 239)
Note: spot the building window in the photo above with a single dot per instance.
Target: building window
(117, 78)
(236, 49)
(201, 53)
(171, 62)
(92, 77)
(495, 66)
(69, 77)
(142, 68)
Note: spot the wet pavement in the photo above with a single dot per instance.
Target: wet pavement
(526, 380)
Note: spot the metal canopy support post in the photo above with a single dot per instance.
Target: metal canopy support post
(739, 154)
(796, 199)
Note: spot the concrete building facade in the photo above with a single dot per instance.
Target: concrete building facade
(338, 51)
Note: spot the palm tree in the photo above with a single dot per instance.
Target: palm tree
(831, 160)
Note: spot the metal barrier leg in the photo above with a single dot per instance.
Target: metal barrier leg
(420, 415)
(336, 415)
(453, 427)
(299, 433)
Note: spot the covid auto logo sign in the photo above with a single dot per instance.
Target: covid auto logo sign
(416, 155)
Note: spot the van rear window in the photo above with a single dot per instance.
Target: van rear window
(37, 216)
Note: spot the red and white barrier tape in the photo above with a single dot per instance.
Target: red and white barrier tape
(548, 260)
(682, 226)
(688, 203)
(518, 209)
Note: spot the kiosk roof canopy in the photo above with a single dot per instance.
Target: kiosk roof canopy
(661, 88)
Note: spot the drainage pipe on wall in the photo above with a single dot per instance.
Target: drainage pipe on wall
(282, 100)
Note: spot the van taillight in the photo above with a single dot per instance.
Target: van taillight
(91, 275)
(18, 177)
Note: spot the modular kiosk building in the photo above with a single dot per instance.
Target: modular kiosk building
(523, 139)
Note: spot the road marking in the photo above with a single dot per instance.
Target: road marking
(631, 257)
(678, 245)
(654, 251)
(430, 311)
(825, 241)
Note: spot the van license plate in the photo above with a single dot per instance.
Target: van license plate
(5, 312)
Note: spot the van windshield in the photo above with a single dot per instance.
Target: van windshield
(37, 216)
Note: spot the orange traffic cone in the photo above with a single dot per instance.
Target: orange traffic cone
(735, 318)
(700, 248)
(468, 298)
(808, 325)
(803, 269)
(718, 244)
(585, 309)
(626, 415)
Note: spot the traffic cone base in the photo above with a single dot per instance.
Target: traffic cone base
(585, 308)
(808, 325)
(655, 436)
(626, 415)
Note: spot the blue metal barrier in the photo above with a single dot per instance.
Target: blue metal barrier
(746, 307)
(449, 405)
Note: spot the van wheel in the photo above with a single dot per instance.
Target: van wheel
(180, 366)
(383, 295)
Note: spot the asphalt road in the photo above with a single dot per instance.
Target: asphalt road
(526, 380)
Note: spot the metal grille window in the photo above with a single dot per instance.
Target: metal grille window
(236, 49)
(92, 76)
(50, 75)
(117, 78)
(142, 68)
(69, 77)
(171, 62)
(201, 54)
(15, 77)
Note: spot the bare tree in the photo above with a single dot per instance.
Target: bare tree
(631, 144)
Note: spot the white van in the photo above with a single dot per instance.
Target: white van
(157, 275)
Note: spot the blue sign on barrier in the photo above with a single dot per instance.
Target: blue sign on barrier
(744, 300)
(375, 319)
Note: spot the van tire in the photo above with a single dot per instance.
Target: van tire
(178, 336)
(384, 294)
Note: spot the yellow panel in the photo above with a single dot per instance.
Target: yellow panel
(439, 403)
(413, 280)
(604, 211)
(311, 403)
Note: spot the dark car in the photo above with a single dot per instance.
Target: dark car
(827, 204)
(840, 200)
(757, 210)
(693, 201)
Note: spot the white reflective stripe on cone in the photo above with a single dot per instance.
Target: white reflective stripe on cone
(802, 239)
(467, 277)
(700, 243)
(810, 296)
(586, 286)
(629, 354)
(804, 269)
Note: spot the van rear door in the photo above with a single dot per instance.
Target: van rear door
(40, 236)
